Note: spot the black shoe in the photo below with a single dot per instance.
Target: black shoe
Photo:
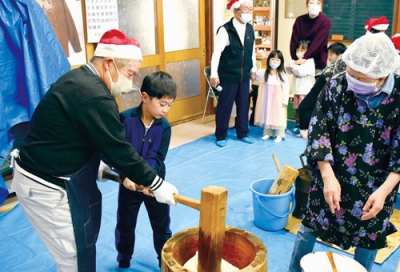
(124, 264)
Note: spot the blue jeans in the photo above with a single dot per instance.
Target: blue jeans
(304, 244)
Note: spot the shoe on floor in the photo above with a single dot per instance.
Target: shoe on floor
(265, 137)
(221, 143)
(296, 130)
(247, 140)
(299, 135)
(278, 139)
(124, 264)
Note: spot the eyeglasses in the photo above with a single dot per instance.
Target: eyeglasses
(246, 10)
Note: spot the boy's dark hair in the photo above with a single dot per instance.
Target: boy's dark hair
(281, 68)
(159, 84)
(304, 44)
(337, 48)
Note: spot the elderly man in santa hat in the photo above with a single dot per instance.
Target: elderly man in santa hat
(75, 124)
(233, 65)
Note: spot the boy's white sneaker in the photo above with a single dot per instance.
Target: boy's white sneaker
(278, 139)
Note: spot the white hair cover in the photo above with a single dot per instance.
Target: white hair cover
(373, 55)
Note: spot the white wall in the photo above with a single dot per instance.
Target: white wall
(284, 34)
(221, 16)
(284, 31)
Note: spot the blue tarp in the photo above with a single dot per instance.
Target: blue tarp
(31, 60)
(190, 167)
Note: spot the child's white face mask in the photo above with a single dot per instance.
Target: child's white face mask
(300, 55)
(274, 65)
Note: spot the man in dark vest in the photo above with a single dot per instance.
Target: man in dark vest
(233, 65)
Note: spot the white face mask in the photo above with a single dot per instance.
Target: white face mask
(246, 17)
(299, 55)
(274, 65)
(123, 84)
(314, 9)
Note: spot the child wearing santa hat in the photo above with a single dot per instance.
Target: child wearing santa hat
(376, 25)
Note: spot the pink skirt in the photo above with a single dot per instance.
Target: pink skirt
(270, 112)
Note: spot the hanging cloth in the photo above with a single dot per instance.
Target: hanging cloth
(31, 60)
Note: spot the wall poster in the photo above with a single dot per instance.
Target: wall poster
(101, 15)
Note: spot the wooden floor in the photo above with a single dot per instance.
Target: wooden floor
(190, 131)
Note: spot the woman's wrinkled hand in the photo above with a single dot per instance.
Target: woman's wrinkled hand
(332, 192)
(374, 204)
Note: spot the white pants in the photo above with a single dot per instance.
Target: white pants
(46, 206)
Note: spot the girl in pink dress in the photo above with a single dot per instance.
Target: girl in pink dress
(273, 97)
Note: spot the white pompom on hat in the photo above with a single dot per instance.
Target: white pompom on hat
(235, 4)
(380, 23)
(115, 44)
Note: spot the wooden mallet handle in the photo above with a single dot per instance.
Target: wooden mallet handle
(187, 201)
(277, 164)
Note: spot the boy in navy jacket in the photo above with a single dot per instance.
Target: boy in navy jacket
(149, 133)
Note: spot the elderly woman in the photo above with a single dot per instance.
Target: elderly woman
(354, 149)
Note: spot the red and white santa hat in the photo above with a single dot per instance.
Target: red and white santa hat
(367, 24)
(396, 41)
(116, 44)
(235, 4)
(380, 23)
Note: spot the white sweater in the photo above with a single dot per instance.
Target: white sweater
(303, 79)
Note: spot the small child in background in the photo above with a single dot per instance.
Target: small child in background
(334, 51)
(336, 65)
(149, 133)
(302, 82)
(273, 98)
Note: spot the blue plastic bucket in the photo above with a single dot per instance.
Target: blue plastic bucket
(271, 212)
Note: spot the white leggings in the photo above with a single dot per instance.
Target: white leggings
(46, 206)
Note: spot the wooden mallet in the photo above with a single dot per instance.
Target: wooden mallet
(212, 207)
(285, 179)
